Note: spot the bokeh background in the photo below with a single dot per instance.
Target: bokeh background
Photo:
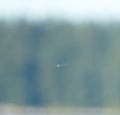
(36, 36)
(30, 52)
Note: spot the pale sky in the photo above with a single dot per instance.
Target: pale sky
(70, 9)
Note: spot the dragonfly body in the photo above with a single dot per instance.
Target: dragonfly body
(58, 65)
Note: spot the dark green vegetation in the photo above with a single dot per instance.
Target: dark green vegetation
(30, 51)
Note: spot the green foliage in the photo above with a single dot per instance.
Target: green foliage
(30, 52)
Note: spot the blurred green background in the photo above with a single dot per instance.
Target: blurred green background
(30, 52)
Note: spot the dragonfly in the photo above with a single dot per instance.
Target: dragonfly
(61, 65)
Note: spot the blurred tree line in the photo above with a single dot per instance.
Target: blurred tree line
(29, 53)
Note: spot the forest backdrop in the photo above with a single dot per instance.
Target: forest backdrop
(29, 53)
